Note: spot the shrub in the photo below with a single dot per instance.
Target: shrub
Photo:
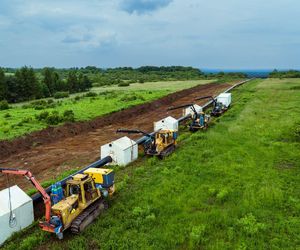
(90, 94)
(141, 80)
(124, 84)
(77, 98)
(42, 116)
(54, 118)
(197, 235)
(61, 94)
(50, 101)
(249, 224)
(4, 105)
(7, 115)
(69, 116)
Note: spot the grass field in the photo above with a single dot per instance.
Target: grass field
(235, 186)
(18, 120)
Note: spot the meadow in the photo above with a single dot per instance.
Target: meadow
(27, 117)
(235, 186)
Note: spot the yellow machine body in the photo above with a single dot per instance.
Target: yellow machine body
(164, 139)
(80, 192)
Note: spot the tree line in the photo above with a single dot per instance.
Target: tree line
(33, 83)
(285, 74)
(26, 84)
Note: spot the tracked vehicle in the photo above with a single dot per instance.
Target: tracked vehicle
(200, 120)
(161, 144)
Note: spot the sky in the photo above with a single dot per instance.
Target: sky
(214, 34)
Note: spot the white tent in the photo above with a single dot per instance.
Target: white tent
(189, 110)
(21, 211)
(123, 151)
(168, 123)
(225, 99)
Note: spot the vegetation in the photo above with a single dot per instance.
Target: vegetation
(39, 114)
(235, 186)
(25, 84)
(285, 74)
(17, 85)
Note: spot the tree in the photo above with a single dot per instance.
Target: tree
(72, 82)
(27, 84)
(84, 82)
(3, 86)
(48, 80)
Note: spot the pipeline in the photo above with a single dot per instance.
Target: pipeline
(205, 106)
(97, 164)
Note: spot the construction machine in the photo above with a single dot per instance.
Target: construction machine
(160, 143)
(81, 201)
(218, 107)
(200, 120)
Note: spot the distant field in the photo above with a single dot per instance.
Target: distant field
(235, 186)
(165, 85)
(18, 120)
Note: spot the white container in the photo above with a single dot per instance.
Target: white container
(123, 151)
(225, 99)
(22, 210)
(168, 123)
(189, 111)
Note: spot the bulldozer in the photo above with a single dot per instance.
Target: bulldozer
(78, 204)
(160, 143)
(200, 120)
(218, 107)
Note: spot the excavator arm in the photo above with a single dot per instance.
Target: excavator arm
(29, 176)
(191, 105)
(134, 131)
(206, 97)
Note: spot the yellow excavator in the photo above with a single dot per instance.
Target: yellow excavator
(161, 143)
(77, 205)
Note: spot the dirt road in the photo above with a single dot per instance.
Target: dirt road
(54, 150)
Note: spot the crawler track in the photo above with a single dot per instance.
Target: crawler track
(88, 216)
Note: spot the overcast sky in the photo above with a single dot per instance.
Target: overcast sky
(222, 34)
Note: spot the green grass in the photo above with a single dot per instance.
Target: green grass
(235, 186)
(163, 85)
(22, 120)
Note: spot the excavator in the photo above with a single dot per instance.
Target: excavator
(199, 120)
(161, 144)
(84, 198)
(218, 107)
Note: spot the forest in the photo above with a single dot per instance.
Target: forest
(28, 83)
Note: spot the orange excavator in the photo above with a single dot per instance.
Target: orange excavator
(44, 225)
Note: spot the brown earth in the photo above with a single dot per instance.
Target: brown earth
(49, 152)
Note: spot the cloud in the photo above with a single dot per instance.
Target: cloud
(143, 6)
